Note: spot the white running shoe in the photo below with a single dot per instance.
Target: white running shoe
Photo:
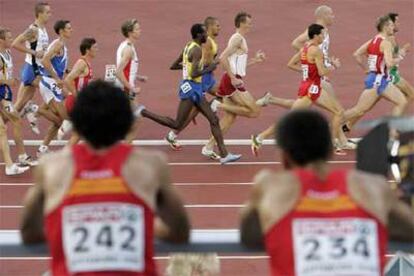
(14, 169)
(264, 100)
(255, 144)
(209, 153)
(31, 117)
(214, 105)
(26, 160)
(138, 111)
(171, 138)
(230, 158)
(42, 150)
(64, 128)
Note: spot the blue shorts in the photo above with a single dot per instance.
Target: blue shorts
(29, 73)
(191, 90)
(5, 93)
(376, 81)
(208, 82)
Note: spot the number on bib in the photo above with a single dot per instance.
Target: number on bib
(305, 71)
(110, 70)
(325, 247)
(104, 237)
(186, 87)
(372, 63)
(313, 89)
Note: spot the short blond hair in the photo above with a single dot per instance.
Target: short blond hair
(204, 264)
(3, 32)
(128, 26)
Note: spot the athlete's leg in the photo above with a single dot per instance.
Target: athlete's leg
(205, 109)
(245, 105)
(24, 94)
(4, 143)
(365, 102)
(184, 109)
(225, 123)
(16, 123)
(329, 103)
(394, 95)
(406, 88)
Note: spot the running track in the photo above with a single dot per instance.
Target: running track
(207, 189)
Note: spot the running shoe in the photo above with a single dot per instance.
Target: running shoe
(138, 111)
(230, 158)
(26, 160)
(171, 138)
(32, 119)
(256, 144)
(214, 105)
(339, 151)
(15, 169)
(264, 100)
(64, 128)
(42, 150)
(209, 153)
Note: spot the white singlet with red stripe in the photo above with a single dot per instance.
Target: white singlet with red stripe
(131, 69)
(238, 60)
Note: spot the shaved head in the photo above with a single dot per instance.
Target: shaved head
(322, 10)
(324, 15)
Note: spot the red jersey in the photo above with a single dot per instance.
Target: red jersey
(311, 80)
(101, 227)
(81, 82)
(326, 233)
(376, 61)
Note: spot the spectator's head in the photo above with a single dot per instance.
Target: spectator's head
(303, 137)
(102, 114)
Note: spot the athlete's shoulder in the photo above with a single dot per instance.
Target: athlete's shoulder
(368, 181)
(153, 157)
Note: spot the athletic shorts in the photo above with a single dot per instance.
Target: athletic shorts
(191, 90)
(29, 73)
(208, 82)
(5, 93)
(226, 89)
(310, 89)
(69, 102)
(395, 75)
(49, 90)
(379, 82)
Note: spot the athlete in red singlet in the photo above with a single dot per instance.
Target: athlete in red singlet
(317, 221)
(311, 81)
(78, 78)
(98, 207)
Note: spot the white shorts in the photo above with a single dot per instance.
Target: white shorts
(49, 90)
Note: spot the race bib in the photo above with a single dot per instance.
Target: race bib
(313, 89)
(372, 63)
(104, 237)
(110, 70)
(305, 71)
(346, 246)
(186, 87)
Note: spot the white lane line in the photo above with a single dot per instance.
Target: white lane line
(150, 142)
(241, 163)
(186, 206)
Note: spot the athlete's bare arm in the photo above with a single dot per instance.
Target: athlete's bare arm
(178, 63)
(258, 58)
(126, 57)
(317, 55)
(31, 226)
(30, 34)
(3, 80)
(360, 55)
(171, 210)
(53, 51)
(78, 70)
(294, 63)
(195, 56)
(390, 61)
(299, 41)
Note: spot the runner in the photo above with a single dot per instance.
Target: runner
(314, 220)
(33, 42)
(95, 203)
(191, 93)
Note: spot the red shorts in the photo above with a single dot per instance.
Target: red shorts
(310, 89)
(69, 102)
(226, 89)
